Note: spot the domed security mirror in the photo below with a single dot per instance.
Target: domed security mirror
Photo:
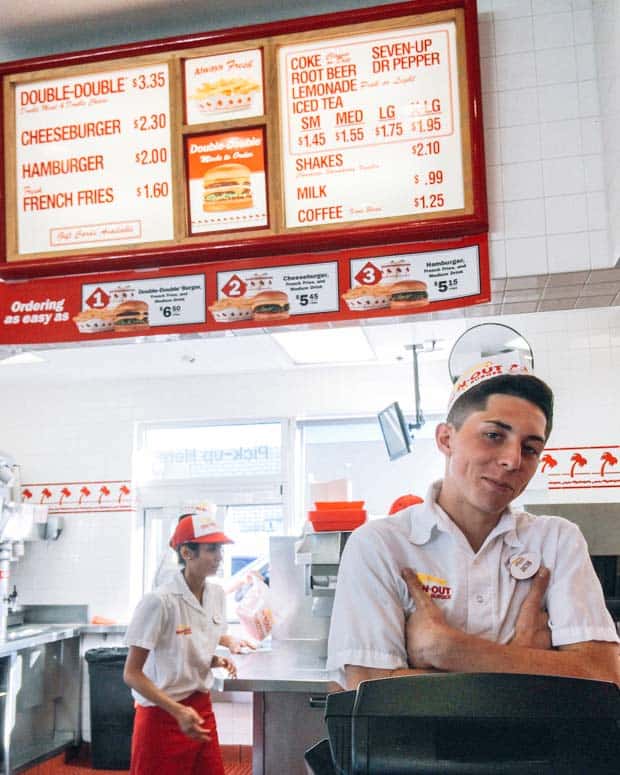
(484, 341)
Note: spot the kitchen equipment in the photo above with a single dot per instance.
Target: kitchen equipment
(15, 618)
(600, 525)
(319, 556)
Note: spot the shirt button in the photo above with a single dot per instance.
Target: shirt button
(479, 598)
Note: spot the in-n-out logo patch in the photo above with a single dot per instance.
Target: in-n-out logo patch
(437, 588)
(183, 629)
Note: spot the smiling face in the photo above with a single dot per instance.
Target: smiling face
(490, 459)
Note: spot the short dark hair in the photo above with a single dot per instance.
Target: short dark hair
(525, 386)
(192, 545)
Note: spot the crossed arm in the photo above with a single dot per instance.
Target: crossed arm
(434, 645)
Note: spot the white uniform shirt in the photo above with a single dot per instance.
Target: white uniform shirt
(475, 591)
(181, 636)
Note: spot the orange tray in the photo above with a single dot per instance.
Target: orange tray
(332, 505)
(339, 519)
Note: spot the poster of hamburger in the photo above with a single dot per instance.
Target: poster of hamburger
(410, 283)
(133, 308)
(265, 296)
(226, 181)
(224, 87)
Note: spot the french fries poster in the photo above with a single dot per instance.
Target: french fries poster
(226, 180)
(224, 87)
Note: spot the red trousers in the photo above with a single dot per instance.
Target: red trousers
(158, 747)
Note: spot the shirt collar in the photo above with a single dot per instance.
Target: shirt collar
(428, 515)
(180, 588)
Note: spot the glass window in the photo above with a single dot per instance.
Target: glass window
(241, 467)
(210, 451)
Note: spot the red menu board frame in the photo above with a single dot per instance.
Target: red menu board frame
(185, 248)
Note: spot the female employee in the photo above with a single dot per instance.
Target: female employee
(172, 639)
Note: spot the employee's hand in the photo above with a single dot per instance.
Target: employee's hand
(226, 663)
(190, 723)
(532, 627)
(426, 629)
(235, 645)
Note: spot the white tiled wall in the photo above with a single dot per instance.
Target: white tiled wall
(607, 39)
(542, 118)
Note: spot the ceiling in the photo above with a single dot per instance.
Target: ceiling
(31, 28)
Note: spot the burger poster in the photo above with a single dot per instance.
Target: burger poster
(409, 283)
(224, 87)
(273, 295)
(345, 285)
(226, 181)
(133, 307)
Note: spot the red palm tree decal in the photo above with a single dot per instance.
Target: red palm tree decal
(124, 490)
(548, 460)
(45, 493)
(26, 494)
(65, 493)
(607, 458)
(103, 490)
(84, 493)
(578, 460)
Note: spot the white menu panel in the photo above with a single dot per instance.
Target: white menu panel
(371, 126)
(93, 160)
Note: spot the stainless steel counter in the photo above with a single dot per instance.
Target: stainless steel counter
(39, 669)
(289, 684)
(29, 635)
(283, 666)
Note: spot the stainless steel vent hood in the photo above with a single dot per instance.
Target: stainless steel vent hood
(599, 522)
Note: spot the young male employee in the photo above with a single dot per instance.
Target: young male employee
(458, 582)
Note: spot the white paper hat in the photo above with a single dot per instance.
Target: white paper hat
(511, 363)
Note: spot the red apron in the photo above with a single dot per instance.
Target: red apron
(158, 747)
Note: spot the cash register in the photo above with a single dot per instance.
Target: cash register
(482, 723)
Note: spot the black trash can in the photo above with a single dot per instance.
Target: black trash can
(111, 709)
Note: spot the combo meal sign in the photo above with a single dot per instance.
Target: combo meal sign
(277, 159)
(338, 285)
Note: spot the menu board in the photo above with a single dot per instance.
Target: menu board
(354, 129)
(370, 126)
(93, 160)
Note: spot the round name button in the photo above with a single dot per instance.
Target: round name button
(525, 565)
